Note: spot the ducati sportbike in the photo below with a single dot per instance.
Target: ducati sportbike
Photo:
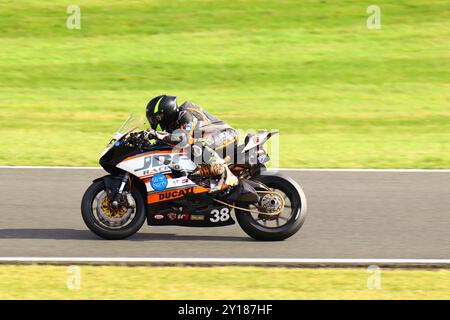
(152, 181)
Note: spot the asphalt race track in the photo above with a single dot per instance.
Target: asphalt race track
(377, 215)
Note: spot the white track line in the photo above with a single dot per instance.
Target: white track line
(272, 169)
(249, 261)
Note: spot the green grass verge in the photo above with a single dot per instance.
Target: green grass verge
(50, 282)
(341, 95)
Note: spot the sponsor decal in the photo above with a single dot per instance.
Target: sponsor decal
(155, 161)
(197, 217)
(159, 182)
(158, 216)
(179, 181)
(160, 169)
(183, 216)
(156, 170)
(175, 193)
(256, 139)
(159, 160)
(172, 216)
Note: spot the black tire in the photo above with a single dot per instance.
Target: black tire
(103, 231)
(294, 223)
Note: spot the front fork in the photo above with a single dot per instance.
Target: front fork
(118, 197)
(125, 178)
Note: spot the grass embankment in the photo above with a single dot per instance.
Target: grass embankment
(341, 95)
(50, 282)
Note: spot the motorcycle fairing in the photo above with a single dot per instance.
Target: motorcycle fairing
(209, 216)
(174, 193)
(259, 139)
(148, 164)
(177, 204)
(172, 183)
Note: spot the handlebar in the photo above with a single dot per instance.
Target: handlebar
(141, 138)
(137, 139)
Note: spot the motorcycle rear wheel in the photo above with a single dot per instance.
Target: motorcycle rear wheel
(295, 198)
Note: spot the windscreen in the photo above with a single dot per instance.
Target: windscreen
(132, 123)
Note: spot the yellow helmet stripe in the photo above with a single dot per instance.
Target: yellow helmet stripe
(157, 105)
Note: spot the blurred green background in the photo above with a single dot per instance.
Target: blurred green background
(340, 94)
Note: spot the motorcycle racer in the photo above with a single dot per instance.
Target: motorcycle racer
(166, 183)
(167, 120)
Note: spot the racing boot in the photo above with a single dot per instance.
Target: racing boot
(227, 178)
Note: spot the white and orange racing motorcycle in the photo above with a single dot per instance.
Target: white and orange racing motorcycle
(152, 181)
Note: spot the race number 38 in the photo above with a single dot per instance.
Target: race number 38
(222, 215)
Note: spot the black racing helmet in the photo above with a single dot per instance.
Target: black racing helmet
(162, 112)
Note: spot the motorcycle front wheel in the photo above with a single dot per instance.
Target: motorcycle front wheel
(108, 222)
(287, 223)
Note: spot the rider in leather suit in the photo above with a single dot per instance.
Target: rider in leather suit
(192, 124)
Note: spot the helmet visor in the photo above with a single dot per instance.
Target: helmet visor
(155, 119)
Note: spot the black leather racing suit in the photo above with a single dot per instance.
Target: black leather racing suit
(197, 123)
